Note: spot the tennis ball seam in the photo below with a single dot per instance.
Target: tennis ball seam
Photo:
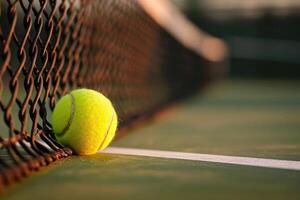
(107, 131)
(71, 117)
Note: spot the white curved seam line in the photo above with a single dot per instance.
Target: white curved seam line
(71, 117)
(107, 131)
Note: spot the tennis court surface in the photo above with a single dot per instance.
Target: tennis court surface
(206, 95)
(233, 118)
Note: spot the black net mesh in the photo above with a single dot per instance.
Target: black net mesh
(49, 47)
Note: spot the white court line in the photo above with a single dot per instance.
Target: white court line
(236, 160)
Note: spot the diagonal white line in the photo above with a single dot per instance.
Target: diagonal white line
(237, 160)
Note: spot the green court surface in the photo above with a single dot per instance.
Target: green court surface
(244, 118)
(240, 118)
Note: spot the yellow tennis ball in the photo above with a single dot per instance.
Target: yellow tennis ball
(85, 121)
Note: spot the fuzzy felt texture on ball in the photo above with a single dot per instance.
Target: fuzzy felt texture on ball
(85, 121)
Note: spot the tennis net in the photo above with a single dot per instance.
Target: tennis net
(50, 47)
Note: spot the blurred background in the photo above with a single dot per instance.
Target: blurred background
(263, 35)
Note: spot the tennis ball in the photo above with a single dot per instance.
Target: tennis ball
(85, 121)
